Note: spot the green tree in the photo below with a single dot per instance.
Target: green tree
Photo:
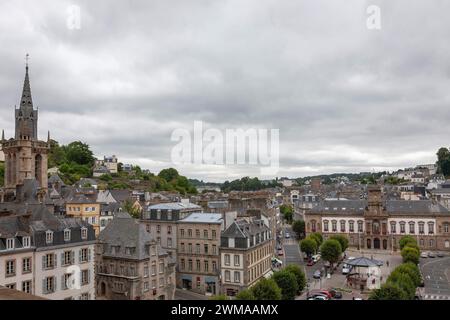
(410, 269)
(404, 281)
(128, 207)
(407, 240)
(331, 251)
(318, 237)
(105, 177)
(308, 246)
(299, 276)
(287, 283)
(266, 289)
(245, 294)
(298, 226)
(168, 174)
(343, 241)
(79, 152)
(443, 161)
(388, 291)
(287, 212)
(410, 254)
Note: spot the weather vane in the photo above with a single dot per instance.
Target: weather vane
(27, 57)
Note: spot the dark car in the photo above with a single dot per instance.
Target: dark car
(335, 294)
(440, 254)
(310, 263)
(431, 255)
(317, 274)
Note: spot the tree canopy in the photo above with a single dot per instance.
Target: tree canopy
(298, 226)
(343, 241)
(266, 289)
(308, 246)
(287, 282)
(388, 291)
(331, 251)
(299, 276)
(248, 184)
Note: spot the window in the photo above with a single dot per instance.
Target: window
(198, 265)
(412, 227)
(334, 225)
(351, 226)
(26, 265)
(84, 277)
(66, 234)
(182, 232)
(313, 225)
(153, 284)
(49, 237)
(431, 243)
(183, 265)
(227, 276)
(190, 265)
(161, 267)
(236, 260)
(342, 225)
(402, 227)
(9, 243)
(11, 286)
(158, 214)
(48, 285)
(26, 242)
(430, 227)
(206, 248)
(393, 227)
(84, 233)
(206, 266)
(360, 226)
(227, 259)
(84, 255)
(214, 266)
(169, 214)
(182, 247)
(325, 225)
(153, 268)
(421, 227)
(205, 234)
(169, 242)
(49, 261)
(10, 268)
(197, 233)
(190, 247)
(446, 227)
(146, 270)
(213, 234)
(169, 229)
(237, 276)
(146, 286)
(190, 233)
(214, 249)
(197, 248)
(85, 296)
(26, 286)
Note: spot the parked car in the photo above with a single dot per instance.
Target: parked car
(335, 294)
(280, 252)
(324, 292)
(351, 258)
(424, 255)
(431, 255)
(287, 235)
(346, 269)
(279, 247)
(316, 258)
(440, 254)
(310, 263)
(317, 274)
(318, 297)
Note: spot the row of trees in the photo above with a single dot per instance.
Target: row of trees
(283, 285)
(287, 212)
(404, 279)
(331, 250)
(248, 184)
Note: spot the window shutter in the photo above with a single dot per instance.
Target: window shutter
(72, 257)
(62, 259)
(54, 284)
(44, 288)
(43, 263)
(56, 260)
(89, 254)
(63, 283)
(79, 256)
(88, 276)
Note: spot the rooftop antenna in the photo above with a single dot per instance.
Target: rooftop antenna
(27, 58)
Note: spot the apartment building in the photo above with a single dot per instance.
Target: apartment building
(198, 258)
(130, 265)
(43, 254)
(245, 255)
(160, 221)
(82, 203)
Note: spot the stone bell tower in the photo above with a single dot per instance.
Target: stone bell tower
(25, 155)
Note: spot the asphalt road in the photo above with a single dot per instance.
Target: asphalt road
(181, 294)
(436, 274)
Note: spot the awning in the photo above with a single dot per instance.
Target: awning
(210, 279)
(186, 277)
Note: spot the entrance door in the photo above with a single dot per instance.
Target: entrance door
(187, 284)
(369, 243)
(376, 243)
(385, 244)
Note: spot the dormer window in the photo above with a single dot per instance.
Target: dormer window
(26, 242)
(10, 244)
(169, 214)
(66, 234)
(158, 214)
(84, 233)
(49, 237)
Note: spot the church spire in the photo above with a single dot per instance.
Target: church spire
(26, 102)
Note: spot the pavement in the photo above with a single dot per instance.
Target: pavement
(436, 276)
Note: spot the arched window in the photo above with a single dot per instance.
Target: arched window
(412, 226)
(402, 226)
(342, 225)
(430, 227)
(351, 226)
(421, 227)
(325, 225)
(360, 226)
(393, 227)
(313, 225)
(334, 225)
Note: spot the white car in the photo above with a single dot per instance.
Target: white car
(424, 255)
(351, 258)
(346, 269)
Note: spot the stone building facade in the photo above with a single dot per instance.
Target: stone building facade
(377, 223)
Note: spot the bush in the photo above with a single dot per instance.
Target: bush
(410, 254)
(407, 240)
(266, 289)
(299, 276)
(219, 297)
(245, 294)
(388, 291)
(404, 281)
(287, 282)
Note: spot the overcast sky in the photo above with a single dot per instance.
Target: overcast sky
(345, 98)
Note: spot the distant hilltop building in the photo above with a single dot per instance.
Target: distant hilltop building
(25, 155)
(108, 165)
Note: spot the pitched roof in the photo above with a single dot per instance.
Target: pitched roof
(197, 217)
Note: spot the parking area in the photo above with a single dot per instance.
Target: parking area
(436, 275)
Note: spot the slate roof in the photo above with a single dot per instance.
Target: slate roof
(203, 218)
(245, 229)
(54, 178)
(174, 206)
(124, 231)
(121, 195)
